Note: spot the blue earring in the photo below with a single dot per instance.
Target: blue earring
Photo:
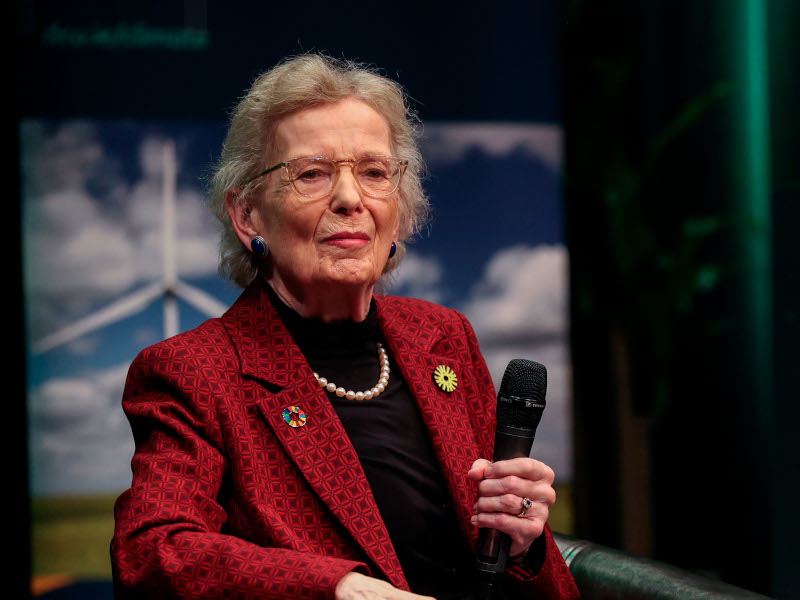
(393, 250)
(259, 246)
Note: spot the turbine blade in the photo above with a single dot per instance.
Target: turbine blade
(201, 300)
(116, 311)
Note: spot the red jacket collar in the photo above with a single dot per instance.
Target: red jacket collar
(268, 352)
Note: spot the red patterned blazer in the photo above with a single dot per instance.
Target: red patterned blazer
(228, 501)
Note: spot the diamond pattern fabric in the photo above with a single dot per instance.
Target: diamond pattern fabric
(229, 501)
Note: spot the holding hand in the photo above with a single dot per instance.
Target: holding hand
(355, 586)
(502, 490)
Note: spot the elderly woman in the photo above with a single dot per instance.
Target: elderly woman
(319, 440)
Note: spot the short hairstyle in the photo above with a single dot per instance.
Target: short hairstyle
(295, 84)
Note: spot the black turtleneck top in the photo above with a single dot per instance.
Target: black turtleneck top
(395, 451)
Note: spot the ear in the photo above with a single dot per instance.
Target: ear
(240, 214)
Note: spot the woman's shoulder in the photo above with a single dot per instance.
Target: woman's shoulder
(416, 310)
(207, 343)
(186, 374)
(416, 305)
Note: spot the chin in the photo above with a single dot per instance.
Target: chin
(351, 272)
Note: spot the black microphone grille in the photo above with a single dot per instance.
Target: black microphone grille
(520, 401)
(524, 379)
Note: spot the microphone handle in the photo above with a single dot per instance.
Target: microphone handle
(513, 442)
(493, 545)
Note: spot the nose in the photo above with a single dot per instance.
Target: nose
(346, 195)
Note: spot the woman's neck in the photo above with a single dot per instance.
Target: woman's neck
(334, 303)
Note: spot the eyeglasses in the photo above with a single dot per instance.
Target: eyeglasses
(315, 177)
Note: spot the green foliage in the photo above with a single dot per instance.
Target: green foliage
(562, 514)
(71, 535)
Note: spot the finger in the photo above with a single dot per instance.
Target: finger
(525, 468)
(522, 488)
(478, 468)
(354, 586)
(401, 595)
(537, 511)
(392, 593)
(522, 531)
(507, 503)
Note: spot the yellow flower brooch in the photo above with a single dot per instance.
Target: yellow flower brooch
(445, 378)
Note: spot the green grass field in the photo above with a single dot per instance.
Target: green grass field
(70, 535)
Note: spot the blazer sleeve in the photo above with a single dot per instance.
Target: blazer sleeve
(544, 574)
(168, 540)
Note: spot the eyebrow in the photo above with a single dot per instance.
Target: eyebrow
(354, 158)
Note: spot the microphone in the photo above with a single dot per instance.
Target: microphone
(520, 403)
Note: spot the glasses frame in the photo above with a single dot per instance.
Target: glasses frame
(402, 164)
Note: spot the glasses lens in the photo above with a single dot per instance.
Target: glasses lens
(312, 176)
(378, 176)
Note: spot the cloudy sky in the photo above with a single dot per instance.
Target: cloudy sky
(92, 235)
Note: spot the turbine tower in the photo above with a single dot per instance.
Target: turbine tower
(170, 288)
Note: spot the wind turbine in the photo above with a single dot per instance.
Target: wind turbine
(170, 288)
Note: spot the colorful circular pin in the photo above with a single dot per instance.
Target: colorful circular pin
(294, 416)
(445, 378)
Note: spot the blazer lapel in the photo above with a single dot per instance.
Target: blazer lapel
(413, 341)
(320, 449)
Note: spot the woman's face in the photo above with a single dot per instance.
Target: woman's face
(343, 238)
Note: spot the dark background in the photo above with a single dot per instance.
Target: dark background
(684, 267)
(682, 200)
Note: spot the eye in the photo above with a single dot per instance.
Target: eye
(376, 173)
(374, 170)
(312, 174)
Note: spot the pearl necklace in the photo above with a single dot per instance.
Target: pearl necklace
(383, 381)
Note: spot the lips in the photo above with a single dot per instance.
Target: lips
(348, 239)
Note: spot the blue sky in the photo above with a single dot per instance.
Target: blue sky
(91, 234)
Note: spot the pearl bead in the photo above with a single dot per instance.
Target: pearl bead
(369, 394)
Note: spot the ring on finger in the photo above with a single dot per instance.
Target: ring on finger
(526, 505)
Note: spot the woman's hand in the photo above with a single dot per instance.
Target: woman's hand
(502, 487)
(355, 586)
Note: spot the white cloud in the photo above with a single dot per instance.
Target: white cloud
(554, 435)
(66, 160)
(146, 336)
(198, 233)
(80, 438)
(84, 346)
(89, 233)
(417, 276)
(448, 142)
(151, 157)
(70, 248)
(523, 292)
(519, 310)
